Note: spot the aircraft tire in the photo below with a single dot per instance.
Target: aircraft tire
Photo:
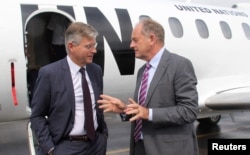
(210, 120)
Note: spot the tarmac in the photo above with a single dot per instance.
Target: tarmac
(14, 135)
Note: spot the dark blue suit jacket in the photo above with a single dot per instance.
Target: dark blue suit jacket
(54, 98)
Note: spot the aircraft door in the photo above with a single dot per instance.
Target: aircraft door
(41, 46)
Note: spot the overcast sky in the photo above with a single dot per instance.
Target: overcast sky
(227, 3)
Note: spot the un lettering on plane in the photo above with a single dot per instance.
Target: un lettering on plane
(215, 39)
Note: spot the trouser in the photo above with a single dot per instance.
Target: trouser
(139, 148)
(96, 147)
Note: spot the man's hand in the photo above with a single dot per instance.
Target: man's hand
(51, 151)
(111, 104)
(138, 111)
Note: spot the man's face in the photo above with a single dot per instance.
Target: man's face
(140, 43)
(83, 53)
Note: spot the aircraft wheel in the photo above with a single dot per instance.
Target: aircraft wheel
(210, 120)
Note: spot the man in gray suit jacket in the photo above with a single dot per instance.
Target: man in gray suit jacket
(171, 103)
(57, 117)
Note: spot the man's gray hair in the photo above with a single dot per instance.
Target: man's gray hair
(150, 26)
(77, 31)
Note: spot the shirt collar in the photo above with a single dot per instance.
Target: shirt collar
(74, 68)
(156, 59)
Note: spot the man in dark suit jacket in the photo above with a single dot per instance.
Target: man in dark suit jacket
(171, 103)
(57, 117)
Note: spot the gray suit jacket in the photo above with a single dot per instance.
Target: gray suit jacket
(173, 97)
(54, 97)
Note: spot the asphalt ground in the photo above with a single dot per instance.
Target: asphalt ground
(14, 135)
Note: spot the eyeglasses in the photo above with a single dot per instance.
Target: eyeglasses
(90, 46)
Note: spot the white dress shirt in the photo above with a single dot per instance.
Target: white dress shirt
(78, 128)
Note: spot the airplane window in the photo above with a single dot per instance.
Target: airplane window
(176, 27)
(246, 29)
(202, 28)
(225, 30)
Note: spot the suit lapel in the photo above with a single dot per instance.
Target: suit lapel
(93, 82)
(96, 89)
(66, 75)
(161, 69)
(138, 82)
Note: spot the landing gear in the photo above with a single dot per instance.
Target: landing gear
(210, 120)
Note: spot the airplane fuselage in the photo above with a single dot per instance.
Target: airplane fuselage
(215, 39)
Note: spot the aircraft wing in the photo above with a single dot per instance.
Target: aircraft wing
(238, 99)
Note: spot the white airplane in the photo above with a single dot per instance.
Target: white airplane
(215, 39)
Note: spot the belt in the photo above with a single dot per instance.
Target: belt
(83, 138)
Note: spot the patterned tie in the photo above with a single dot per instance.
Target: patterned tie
(88, 111)
(142, 98)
